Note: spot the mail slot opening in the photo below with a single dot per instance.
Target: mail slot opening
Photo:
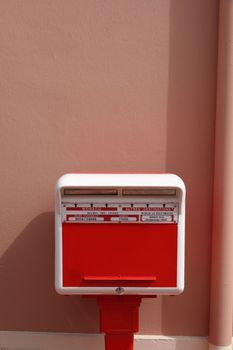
(149, 192)
(90, 192)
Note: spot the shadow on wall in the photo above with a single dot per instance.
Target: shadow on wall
(190, 147)
(28, 301)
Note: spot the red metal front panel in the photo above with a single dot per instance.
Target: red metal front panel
(133, 255)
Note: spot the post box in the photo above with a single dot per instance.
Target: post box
(119, 234)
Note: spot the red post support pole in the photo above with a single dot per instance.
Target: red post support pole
(119, 320)
(119, 341)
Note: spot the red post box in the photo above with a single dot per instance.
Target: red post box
(119, 235)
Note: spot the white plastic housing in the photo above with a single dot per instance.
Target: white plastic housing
(119, 182)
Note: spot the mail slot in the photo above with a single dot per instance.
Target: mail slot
(119, 234)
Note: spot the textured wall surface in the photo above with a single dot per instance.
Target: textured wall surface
(102, 86)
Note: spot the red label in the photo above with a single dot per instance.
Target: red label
(127, 213)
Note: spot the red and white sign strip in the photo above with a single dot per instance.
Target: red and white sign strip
(120, 213)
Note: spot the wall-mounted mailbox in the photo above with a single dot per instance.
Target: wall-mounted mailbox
(120, 234)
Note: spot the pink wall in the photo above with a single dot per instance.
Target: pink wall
(102, 86)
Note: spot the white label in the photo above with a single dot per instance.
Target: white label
(158, 218)
(123, 219)
(85, 219)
